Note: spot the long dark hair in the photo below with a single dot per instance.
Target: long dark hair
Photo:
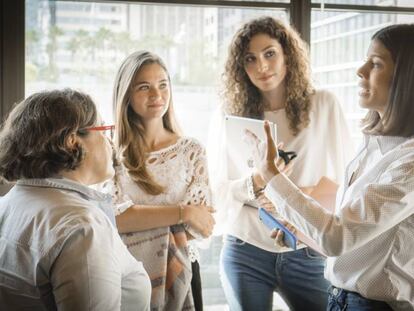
(399, 113)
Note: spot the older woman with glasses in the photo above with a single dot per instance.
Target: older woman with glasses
(59, 248)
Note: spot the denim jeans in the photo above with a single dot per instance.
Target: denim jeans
(250, 275)
(341, 300)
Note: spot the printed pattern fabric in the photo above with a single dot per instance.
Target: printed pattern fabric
(164, 252)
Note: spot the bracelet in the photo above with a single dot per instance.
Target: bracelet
(180, 213)
(250, 189)
(120, 208)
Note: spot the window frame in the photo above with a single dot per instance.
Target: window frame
(12, 32)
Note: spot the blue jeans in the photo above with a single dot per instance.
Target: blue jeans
(341, 300)
(249, 276)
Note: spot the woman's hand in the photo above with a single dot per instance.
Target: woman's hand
(264, 154)
(265, 203)
(278, 235)
(200, 218)
(281, 164)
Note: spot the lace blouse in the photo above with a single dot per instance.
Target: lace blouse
(182, 170)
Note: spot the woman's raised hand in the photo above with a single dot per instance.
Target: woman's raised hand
(200, 218)
(265, 154)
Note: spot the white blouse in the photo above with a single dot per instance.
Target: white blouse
(370, 237)
(323, 148)
(59, 251)
(182, 169)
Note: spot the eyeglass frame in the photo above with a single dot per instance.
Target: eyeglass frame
(100, 128)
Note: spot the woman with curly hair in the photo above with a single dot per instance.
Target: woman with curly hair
(267, 76)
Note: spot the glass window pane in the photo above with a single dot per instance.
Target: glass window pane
(81, 45)
(339, 42)
(398, 3)
(281, 1)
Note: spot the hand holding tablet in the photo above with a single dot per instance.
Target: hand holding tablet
(289, 238)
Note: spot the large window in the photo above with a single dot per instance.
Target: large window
(379, 3)
(339, 42)
(82, 44)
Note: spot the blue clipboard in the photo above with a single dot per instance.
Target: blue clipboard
(288, 237)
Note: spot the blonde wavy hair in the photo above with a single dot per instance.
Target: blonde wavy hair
(129, 138)
(243, 98)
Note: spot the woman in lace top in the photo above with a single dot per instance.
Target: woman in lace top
(161, 184)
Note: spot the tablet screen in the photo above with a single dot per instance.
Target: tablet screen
(239, 153)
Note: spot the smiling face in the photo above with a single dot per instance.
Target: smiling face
(264, 63)
(376, 76)
(150, 92)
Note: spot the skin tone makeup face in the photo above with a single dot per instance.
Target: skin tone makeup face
(376, 75)
(151, 92)
(264, 63)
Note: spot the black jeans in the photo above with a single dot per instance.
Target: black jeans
(196, 286)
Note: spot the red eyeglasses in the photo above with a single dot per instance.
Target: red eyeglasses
(100, 128)
(105, 128)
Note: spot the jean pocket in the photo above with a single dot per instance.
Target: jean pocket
(233, 240)
(360, 303)
(311, 254)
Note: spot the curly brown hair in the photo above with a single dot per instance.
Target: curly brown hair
(33, 139)
(243, 98)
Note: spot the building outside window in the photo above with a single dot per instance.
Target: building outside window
(339, 41)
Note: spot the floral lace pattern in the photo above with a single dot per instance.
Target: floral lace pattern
(180, 168)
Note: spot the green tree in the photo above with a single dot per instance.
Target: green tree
(202, 68)
(100, 40)
(73, 46)
(51, 48)
(32, 41)
(83, 38)
(155, 42)
(123, 44)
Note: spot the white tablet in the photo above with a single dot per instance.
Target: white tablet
(239, 160)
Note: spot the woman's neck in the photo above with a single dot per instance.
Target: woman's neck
(274, 99)
(79, 175)
(157, 137)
